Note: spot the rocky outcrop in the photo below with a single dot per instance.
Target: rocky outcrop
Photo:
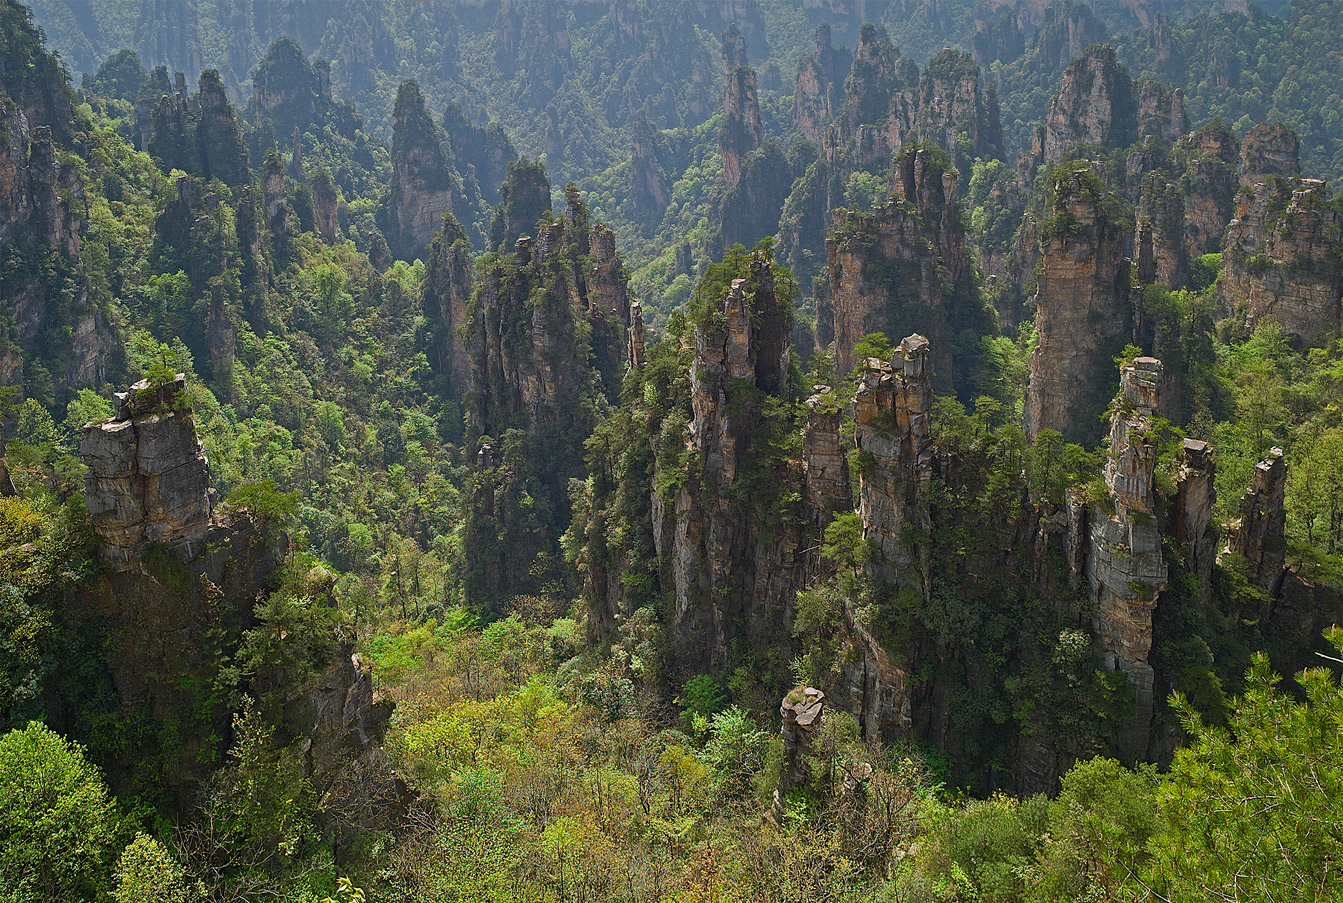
(649, 185)
(892, 414)
(1191, 512)
(825, 465)
(42, 218)
(1094, 105)
(1124, 563)
(325, 206)
(903, 266)
(954, 107)
(290, 93)
(802, 711)
(41, 199)
(545, 333)
(480, 153)
(1083, 312)
(733, 570)
(447, 289)
(524, 198)
(223, 153)
(1160, 110)
(423, 182)
(637, 353)
(1284, 258)
(741, 131)
(1184, 209)
(1260, 532)
(148, 479)
(819, 91)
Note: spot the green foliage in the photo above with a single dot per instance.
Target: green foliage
(148, 873)
(1249, 810)
(59, 828)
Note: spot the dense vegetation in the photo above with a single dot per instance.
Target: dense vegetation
(442, 440)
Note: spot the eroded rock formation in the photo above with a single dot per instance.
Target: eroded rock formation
(742, 131)
(148, 479)
(819, 92)
(1124, 564)
(423, 182)
(1260, 533)
(1094, 105)
(903, 266)
(802, 711)
(1083, 312)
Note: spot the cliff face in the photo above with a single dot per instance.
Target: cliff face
(1124, 563)
(1083, 312)
(953, 103)
(1282, 252)
(1260, 533)
(733, 571)
(447, 289)
(892, 414)
(182, 585)
(819, 91)
(545, 332)
(423, 182)
(41, 217)
(148, 480)
(742, 131)
(1185, 207)
(904, 266)
(1095, 105)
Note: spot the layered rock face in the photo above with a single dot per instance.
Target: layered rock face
(1284, 261)
(1124, 564)
(1185, 209)
(423, 182)
(1282, 250)
(40, 215)
(742, 131)
(173, 618)
(722, 572)
(148, 479)
(819, 92)
(892, 413)
(1260, 533)
(447, 289)
(802, 711)
(1083, 312)
(953, 103)
(1095, 105)
(1191, 512)
(649, 186)
(886, 269)
(523, 199)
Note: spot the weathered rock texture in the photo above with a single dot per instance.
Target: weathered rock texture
(892, 413)
(1282, 253)
(41, 218)
(545, 335)
(1094, 105)
(423, 182)
(1260, 533)
(1191, 512)
(802, 711)
(447, 289)
(742, 131)
(1184, 208)
(1083, 311)
(148, 480)
(819, 91)
(1125, 566)
(1284, 259)
(724, 571)
(903, 267)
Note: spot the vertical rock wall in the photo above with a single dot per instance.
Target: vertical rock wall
(1083, 312)
(1124, 563)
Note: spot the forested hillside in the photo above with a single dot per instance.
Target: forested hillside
(762, 450)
